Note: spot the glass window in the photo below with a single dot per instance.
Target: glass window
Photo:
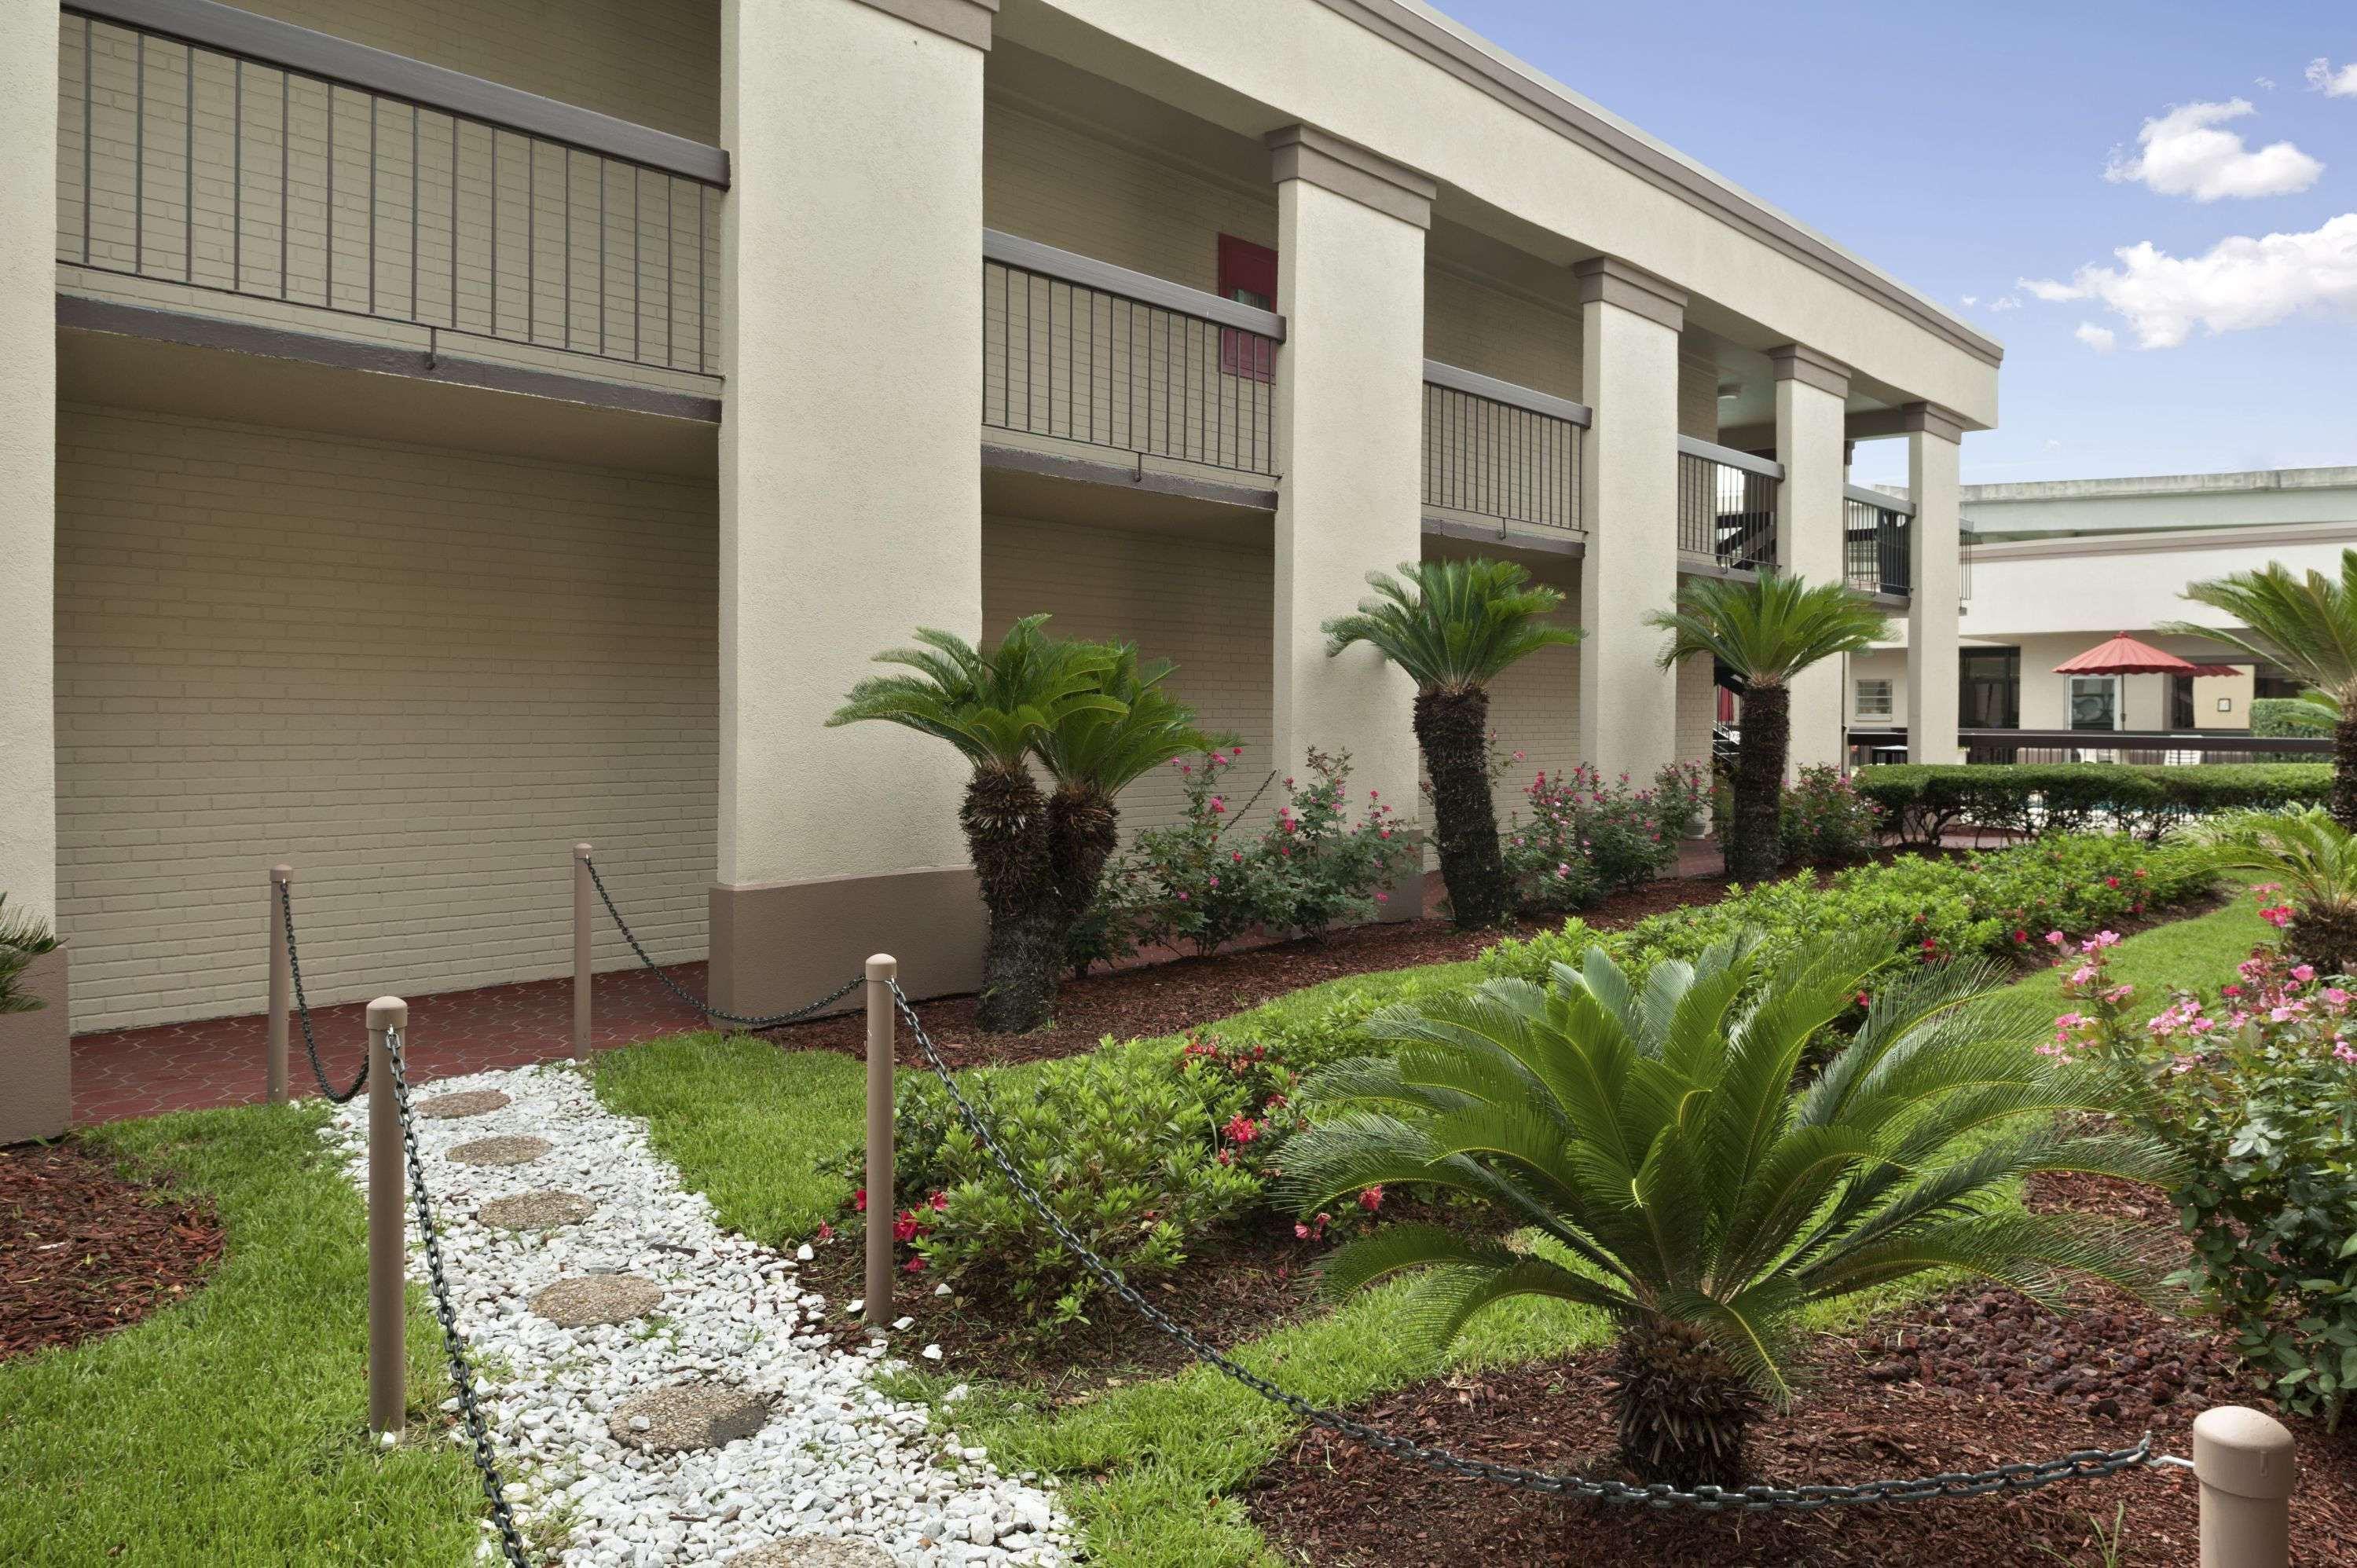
(2095, 702)
(1874, 699)
(1248, 276)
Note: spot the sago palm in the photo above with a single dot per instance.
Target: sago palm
(22, 940)
(993, 704)
(2313, 858)
(2307, 623)
(1454, 626)
(1091, 754)
(1659, 1157)
(1767, 629)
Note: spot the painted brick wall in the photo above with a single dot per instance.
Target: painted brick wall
(1208, 608)
(416, 675)
(1697, 396)
(1476, 325)
(1534, 706)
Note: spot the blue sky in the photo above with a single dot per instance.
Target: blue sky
(1964, 148)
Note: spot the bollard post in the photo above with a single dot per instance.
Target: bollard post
(584, 927)
(388, 1249)
(880, 970)
(2246, 1464)
(282, 985)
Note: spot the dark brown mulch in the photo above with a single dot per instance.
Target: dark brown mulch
(84, 1251)
(1967, 1381)
(1184, 992)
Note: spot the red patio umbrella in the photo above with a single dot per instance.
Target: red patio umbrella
(2124, 655)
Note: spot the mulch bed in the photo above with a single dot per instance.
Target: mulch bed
(1967, 1381)
(84, 1251)
(1166, 998)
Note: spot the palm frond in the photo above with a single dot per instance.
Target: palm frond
(1770, 628)
(1453, 625)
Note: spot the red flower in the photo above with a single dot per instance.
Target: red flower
(826, 1232)
(914, 1265)
(940, 1201)
(859, 1201)
(1242, 1129)
(904, 1228)
(1372, 1199)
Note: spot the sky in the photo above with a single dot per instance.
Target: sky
(2152, 204)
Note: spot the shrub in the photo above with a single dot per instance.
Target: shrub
(1587, 840)
(2253, 1091)
(1325, 868)
(2286, 718)
(1826, 821)
(1923, 800)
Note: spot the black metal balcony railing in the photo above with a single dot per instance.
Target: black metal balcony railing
(205, 164)
(1079, 350)
(1495, 450)
(1878, 542)
(1726, 505)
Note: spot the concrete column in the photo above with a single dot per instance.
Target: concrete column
(1810, 443)
(1629, 322)
(35, 1091)
(1934, 435)
(1350, 415)
(850, 484)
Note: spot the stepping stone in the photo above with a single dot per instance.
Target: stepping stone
(536, 1210)
(467, 1103)
(596, 1298)
(509, 1151)
(690, 1416)
(813, 1551)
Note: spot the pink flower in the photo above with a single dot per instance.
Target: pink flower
(1372, 1199)
(940, 1201)
(1242, 1129)
(2340, 1050)
(2055, 938)
(1382, 897)
(1300, 1231)
(2303, 972)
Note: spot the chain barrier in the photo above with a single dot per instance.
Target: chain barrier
(303, 1011)
(462, 1376)
(775, 1020)
(2015, 1477)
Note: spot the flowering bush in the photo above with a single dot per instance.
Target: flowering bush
(2256, 1087)
(1826, 822)
(1586, 840)
(1324, 867)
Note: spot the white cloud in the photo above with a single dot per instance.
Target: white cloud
(2237, 284)
(1971, 300)
(2185, 153)
(2333, 83)
(2008, 301)
(2264, 83)
(2102, 340)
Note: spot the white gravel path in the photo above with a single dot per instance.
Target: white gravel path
(836, 1458)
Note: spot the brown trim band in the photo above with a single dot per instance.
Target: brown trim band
(1094, 471)
(1608, 280)
(1799, 362)
(1568, 542)
(776, 945)
(1932, 420)
(268, 41)
(1346, 168)
(1427, 40)
(83, 314)
(37, 1056)
(967, 21)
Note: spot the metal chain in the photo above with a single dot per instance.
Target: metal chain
(462, 1376)
(303, 1011)
(774, 1021)
(2015, 1477)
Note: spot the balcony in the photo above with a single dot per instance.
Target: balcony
(1878, 542)
(1499, 457)
(1079, 353)
(1727, 507)
(259, 169)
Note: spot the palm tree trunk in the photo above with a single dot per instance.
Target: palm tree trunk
(1755, 850)
(1453, 728)
(2344, 771)
(1083, 829)
(1685, 1414)
(1006, 823)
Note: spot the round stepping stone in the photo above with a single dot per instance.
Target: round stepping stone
(813, 1551)
(536, 1210)
(507, 1151)
(690, 1416)
(467, 1103)
(596, 1298)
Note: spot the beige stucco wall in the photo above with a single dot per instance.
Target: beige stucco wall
(415, 675)
(28, 381)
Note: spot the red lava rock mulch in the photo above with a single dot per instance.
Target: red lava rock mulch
(1967, 1381)
(1168, 997)
(84, 1253)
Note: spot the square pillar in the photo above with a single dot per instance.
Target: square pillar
(1350, 427)
(36, 1097)
(1811, 523)
(1934, 606)
(850, 484)
(1629, 322)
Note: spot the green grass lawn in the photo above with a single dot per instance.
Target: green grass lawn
(2199, 952)
(230, 1427)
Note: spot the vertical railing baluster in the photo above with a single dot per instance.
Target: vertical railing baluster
(372, 202)
(568, 248)
(139, 158)
(531, 241)
(286, 168)
(237, 176)
(495, 230)
(671, 269)
(454, 222)
(416, 184)
(87, 44)
(328, 295)
(602, 243)
(637, 272)
(189, 168)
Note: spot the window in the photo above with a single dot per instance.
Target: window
(1989, 688)
(2095, 702)
(1248, 276)
(1874, 699)
(2181, 702)
(2267, 681)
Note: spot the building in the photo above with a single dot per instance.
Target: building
(471, 436)
(2057, 567)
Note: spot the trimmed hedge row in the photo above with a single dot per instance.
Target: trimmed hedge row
(1923, 800)
(2284, 717)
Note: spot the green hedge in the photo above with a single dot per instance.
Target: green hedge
(2289, 716)
(1923, 800)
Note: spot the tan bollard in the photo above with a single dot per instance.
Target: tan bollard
(2245, 1463)
(880, 971)
(388, 1253)
(282, 985)
(584, 927)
